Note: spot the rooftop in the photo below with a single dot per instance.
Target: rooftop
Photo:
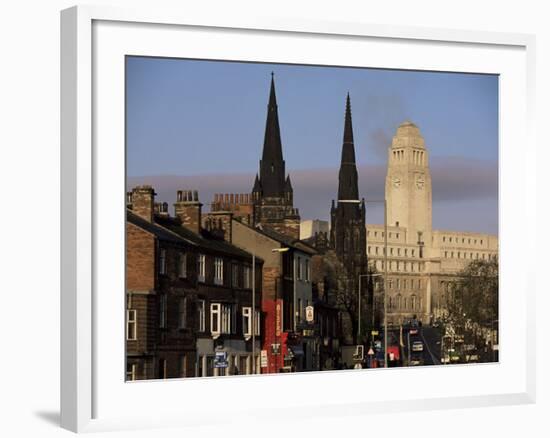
(170, 229)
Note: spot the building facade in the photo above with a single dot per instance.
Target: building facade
(286, 291)
(422, 262)
(189, 294)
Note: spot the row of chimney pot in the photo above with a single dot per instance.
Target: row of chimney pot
(188, 196)
(232, 198)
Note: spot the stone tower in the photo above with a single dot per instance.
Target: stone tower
(272, 193)
(347, 231)
(409, 185)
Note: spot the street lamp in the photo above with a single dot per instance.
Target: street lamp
(357, 201)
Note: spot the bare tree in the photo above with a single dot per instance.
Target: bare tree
(343, 284)
(474, 296)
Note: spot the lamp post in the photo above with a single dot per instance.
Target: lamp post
(358, 201)
(359, 302)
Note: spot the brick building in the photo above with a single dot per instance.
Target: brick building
(286, 290)
(189, 293)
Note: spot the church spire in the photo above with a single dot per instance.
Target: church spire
(348, 128)
(347, 178)
(272, 165)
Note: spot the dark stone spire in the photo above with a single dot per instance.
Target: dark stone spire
(272, 165)
(347, 178)
(288, 184)
(348, 128)
(257, 185)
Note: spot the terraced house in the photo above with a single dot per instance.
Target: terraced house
(188, 294)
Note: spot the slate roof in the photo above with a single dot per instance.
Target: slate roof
(169, 229)
(203, 240)
(155, 229)
(297, 244)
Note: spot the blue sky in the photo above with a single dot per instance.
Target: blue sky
(190, 122)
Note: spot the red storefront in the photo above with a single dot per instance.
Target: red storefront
(275, 340)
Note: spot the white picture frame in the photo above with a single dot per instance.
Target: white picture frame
(89, 362)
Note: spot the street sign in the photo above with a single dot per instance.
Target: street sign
(370, 352)
(374, 333)
(309, 314)
(263, 358)
(220, 359)
(275, 348)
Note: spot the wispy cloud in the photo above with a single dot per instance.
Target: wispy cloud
(454, 181)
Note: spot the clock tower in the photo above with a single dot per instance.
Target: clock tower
(409, 185)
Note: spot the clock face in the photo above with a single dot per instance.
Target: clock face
(420, 181)
(396, 182)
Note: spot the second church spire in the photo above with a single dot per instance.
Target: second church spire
(347, 178)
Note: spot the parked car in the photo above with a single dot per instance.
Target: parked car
(417, 346)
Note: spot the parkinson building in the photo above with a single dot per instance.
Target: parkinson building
(422, 262)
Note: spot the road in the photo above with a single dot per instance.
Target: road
(431, 339)
(432, 345)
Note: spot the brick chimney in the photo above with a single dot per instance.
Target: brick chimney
(188, 209)
(143, 202)
(218, 223)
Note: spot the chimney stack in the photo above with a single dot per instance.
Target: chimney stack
(188, 209)
(129, 200)
(161, 208)
(143, 201)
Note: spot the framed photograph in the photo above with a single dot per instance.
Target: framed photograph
(323, 217)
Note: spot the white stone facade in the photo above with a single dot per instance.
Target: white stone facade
(309, 227)
(421, 261)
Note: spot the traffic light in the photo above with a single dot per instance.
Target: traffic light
(359, 353)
